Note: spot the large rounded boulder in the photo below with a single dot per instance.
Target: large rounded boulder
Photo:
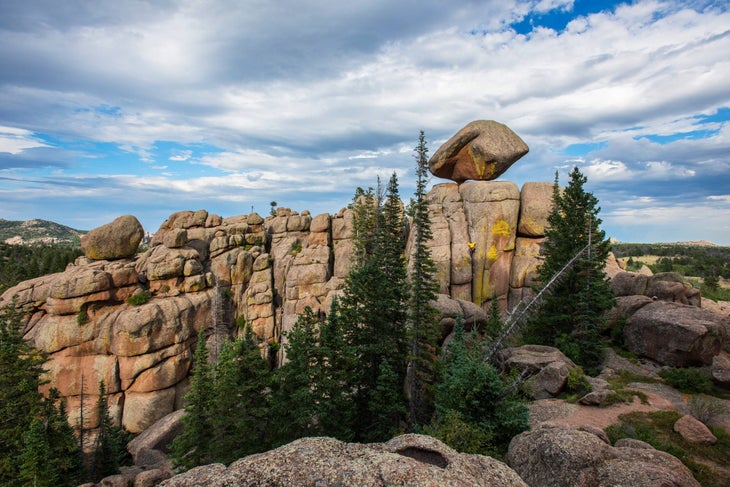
(116, 240)
(482, 151)
(675, 334)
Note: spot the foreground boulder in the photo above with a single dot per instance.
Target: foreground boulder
(412, 460)
(116, 240)
(675, 334)
(547, 367)
(559, 455)
(482, 151)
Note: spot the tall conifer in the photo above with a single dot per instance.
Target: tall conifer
(20, 401)
(240, 406)
(424, 287)
(193, 446)
(572, 314)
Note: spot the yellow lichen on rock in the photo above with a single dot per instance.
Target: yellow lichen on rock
(492, 254)
(501, 228)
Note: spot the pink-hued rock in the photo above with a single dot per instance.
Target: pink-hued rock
(536, 203)
(413, 460)
(482, 150)
(675, 334)
(694, 431)
(560, 455)
(116, 240)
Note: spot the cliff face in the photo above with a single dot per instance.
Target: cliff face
(205, 272)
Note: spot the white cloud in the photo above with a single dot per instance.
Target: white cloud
(14, 140)
(335, 94)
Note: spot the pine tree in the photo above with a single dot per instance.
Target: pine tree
(110, 449)
(473, 401)
(372, 313)
(312, 396)
(422, 315)
(240, 400)
(50, 456)
(193, 446)
(572, 314)
(386, 405)
(35, 469)
(20, 401)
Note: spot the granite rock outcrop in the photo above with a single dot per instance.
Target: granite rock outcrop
(412, 460)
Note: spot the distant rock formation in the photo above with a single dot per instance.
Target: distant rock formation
(413, 460)
(482, 150)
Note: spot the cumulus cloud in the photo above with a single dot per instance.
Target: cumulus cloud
(300, 98)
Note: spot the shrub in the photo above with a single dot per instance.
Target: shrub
(139, 298)
(82, 317)
(577, 382)
(689, 380)
(463, 436)
(706, 408)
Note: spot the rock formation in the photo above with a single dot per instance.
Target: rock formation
(558, 455)
(132, 322)
(412, 460)
(115, 240)
(482, 151)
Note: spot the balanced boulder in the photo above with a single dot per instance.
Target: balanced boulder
(482, 150)
(116, 240)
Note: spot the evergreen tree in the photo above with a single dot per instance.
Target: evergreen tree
(240, 400)
(193, 446)
(572, 314)
(110, 450)
(475, 411)
(494, 324)
(20, 401)
(51, 455)
(35, 467)
(312, 397)
(424, 287)
(373, 306)
(386, 405)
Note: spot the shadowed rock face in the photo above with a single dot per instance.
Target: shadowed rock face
(414, 460)
(482, 151)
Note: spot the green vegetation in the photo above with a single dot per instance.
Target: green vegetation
(194, 446)
(422, 320)
(657, 429)
(572, 315)
(689, 380)
(111, 441)
(22, 262)
(476, 411)
(37, 446)
(706, 408)
(40, 231)
(139, 299)
(703, 265)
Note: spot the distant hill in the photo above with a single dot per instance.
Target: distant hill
(37, 231)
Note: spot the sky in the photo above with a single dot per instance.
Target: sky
(139, 107)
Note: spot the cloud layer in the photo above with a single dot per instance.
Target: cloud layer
(153, 107)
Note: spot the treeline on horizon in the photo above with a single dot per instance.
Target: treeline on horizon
(27, 261)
